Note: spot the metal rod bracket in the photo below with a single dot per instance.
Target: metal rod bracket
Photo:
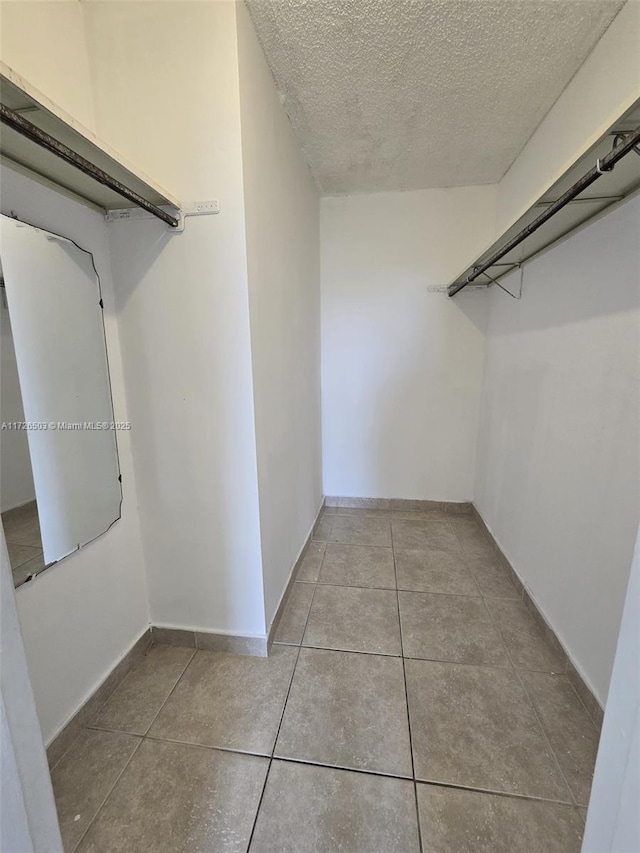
(603, 165)
(35, 134)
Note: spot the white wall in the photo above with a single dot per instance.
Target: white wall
(44, 42)
(16, 479)
(79, 617)
(283, 256)
(59, 66)
(558, 480)
(613, 820)
(183, 319)
(401, 367)
(29, 821)
(165, 83)
(605, 86)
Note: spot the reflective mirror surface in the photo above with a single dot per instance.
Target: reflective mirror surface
(59, 485)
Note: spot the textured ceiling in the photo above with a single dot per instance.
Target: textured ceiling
(409, 94)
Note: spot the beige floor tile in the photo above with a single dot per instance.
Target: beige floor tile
(528, 645)
(464, 522)
(174, 637)
(27, 533)
(455, 821)
(475, 726)
(475, 722)
(322, 810)
(363, 512)
(174, 798)
(449, 628)
(350, 530)
(358, 565)
(492, 576)
(434, 571)
(424, 535)
(310, 566)
(84, 776)
(363, 503)
(209, 642)
(25, 570)
(354, 619)
(35, 564)
(14, 516)
(594, 709)
(347, 710)
(411, 505)
(22, 525)
(133, 705)
(473, 540)
(294, 615)
(573, 736)
(322, 530)
(232, 701)
(421, 515)
(20, 554)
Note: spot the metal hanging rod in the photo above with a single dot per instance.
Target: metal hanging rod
(605, 164)
(40, 137)
(589, 200)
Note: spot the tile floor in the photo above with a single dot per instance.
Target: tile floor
(24, 544)
(411, 702)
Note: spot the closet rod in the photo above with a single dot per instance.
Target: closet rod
(40, 137)
(603, 165)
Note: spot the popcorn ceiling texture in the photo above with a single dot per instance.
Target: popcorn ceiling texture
(411, 94)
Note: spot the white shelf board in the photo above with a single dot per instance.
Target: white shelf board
(21, 97)
(609, 190)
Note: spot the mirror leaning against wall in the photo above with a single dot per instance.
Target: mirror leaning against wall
(59, 472)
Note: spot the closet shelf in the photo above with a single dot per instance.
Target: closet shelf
(611, 188)
(58, 130)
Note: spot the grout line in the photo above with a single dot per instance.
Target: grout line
(170, 693)
(108, 794)
(351, 544)
(573, 687)
(284, 707)
(379, 773)
(573, 803)
(537, 716)
(84, 725)
(591, 720)
(525, 593)
(284, 601)
(574, 799)
(480, 594)
(271, 757)
(406, 699)
(459, 550)
(400, 588)
(309, 763)
(317, 580)
(407, 657)
(216, 748)
(510, 795)
(142, 737)
(422, 659)
(299, 643)
(351, 651)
